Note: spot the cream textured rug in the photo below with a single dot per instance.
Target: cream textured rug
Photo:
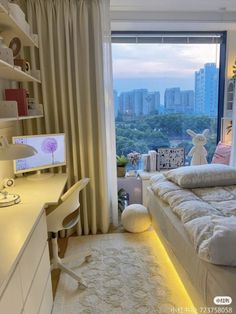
(125, 275)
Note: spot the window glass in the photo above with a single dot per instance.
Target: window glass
(160, 91)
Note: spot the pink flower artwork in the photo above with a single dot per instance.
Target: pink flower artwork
(49, 146)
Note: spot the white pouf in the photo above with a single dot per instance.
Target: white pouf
(135, 218)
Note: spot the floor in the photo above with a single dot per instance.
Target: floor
(181, 297)
(114, 281)
(55, 275)
(62, 244)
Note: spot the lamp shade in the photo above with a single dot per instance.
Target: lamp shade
(15, 151)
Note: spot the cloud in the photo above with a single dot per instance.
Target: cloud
(160, 60)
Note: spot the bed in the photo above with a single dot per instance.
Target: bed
(203, 280)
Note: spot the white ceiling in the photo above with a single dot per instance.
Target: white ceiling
(174, 5)
(173, 15)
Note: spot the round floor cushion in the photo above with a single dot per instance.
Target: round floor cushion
(135, 218)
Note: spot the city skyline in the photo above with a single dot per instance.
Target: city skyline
(152, 91)
(159, 66)
(203, 99)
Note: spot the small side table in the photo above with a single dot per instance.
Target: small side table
(133, 186)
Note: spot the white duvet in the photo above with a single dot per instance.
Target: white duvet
(208, 215)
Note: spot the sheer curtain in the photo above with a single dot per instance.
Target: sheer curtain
(75, 64)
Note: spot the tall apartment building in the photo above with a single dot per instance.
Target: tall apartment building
(138, 102)
(152, 103)
(172, 100)
(116, 103)
(206, 90)
(187, 101)
(126, 104)
(139, 98)
(177, 101)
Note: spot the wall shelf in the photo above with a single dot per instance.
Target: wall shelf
(229, 98)
(8, 71)
(20, 118)
(11, 26)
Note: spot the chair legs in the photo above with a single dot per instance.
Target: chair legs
(57, 262)
(73, 275)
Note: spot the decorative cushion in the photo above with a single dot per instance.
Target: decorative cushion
(135, 218)
(202, 176)
(222, 154)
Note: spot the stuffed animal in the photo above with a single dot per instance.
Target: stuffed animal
(198, 151)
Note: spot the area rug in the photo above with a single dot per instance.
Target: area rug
(124, 276)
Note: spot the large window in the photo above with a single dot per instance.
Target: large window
(165, 84)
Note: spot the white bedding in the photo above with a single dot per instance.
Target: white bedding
(208, 215)
(202, 176)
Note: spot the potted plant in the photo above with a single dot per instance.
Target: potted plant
(121, 162)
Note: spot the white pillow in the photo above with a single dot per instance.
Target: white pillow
(202, 176)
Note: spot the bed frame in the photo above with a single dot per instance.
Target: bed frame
(202, 280)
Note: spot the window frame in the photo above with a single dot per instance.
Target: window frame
(186, 34)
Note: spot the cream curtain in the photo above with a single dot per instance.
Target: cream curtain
(75, 62)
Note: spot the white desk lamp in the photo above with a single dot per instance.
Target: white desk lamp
(11, 152)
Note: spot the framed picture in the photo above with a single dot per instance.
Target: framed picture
(170, 158)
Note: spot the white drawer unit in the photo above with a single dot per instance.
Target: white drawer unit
(24, 292)
(25, 281)
(36, 292)
(11, 300)
(46, 306)
(32, 254)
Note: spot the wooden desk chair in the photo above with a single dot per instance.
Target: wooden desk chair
(65, 216)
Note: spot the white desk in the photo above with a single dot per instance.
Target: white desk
(19, 222)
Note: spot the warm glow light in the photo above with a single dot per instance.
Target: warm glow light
(179, 295)
(226, 134)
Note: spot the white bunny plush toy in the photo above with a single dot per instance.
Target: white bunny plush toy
(198, 151)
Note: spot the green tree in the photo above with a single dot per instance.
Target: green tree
(155, 131)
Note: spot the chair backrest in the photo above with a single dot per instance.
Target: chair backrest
(69, 205)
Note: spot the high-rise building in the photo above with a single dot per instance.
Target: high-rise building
(206, 90)
(139, 99)
(187, 101)
(177, 101)
(139, 102)
(151, 103)
(126, 105)
(172, 100)
(116, 102)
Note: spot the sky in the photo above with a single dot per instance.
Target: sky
(159, 66)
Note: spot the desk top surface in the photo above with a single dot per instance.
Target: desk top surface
(18, 221)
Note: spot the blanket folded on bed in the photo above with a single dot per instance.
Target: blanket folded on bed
(208, 215)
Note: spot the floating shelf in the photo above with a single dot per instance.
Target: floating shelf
(9, 25)
(20, 118)
(9, 72)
